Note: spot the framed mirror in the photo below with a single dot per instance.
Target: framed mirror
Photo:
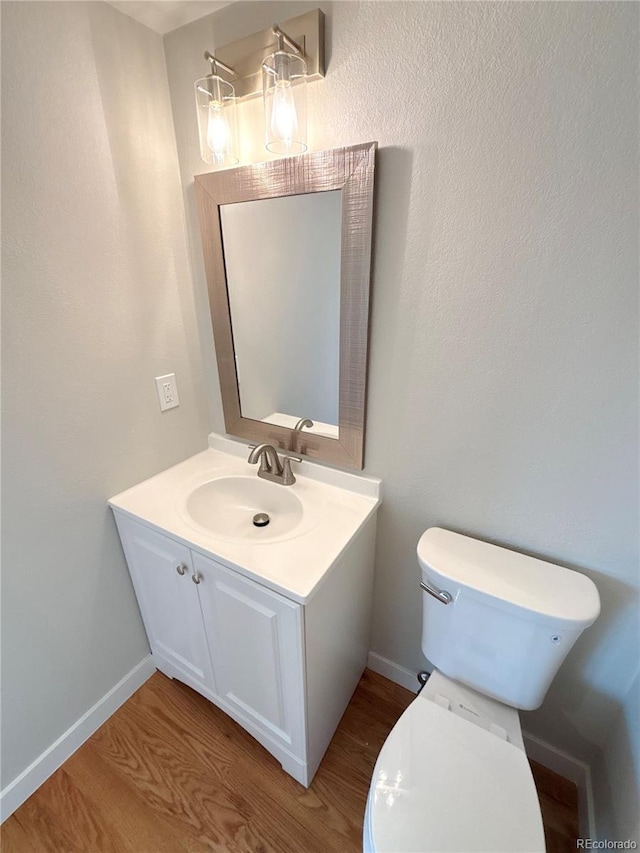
(287, 253)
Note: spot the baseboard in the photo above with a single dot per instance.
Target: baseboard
(29, 780)
(550, 757)
(393, 671)
(574, 770)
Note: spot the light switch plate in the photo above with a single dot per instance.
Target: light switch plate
(167, 391)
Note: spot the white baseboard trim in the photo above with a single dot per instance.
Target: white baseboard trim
(549, 756)
(393, 671)
(571, 768)
(29, 780)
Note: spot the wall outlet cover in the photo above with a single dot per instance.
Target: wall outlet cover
(167, 389)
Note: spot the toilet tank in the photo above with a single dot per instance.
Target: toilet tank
(511, 621)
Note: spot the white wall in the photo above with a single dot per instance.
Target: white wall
(97, 300)
(617, 773)
(503, 372)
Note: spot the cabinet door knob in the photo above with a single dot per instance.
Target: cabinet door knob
(181, 569)
(196, 578)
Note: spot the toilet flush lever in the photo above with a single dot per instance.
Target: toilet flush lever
(441, 594)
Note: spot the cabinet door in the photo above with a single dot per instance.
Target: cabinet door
(255, 641)
(162, 570)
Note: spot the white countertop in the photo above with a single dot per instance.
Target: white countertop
(336, 505)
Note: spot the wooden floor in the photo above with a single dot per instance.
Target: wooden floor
(169, 772)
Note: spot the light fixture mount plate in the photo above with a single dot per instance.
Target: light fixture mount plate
(246, 55)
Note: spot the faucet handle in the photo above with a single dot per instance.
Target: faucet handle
(287, 474)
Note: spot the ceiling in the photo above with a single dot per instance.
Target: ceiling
(166, 15)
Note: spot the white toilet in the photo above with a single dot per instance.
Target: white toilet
(453, 774)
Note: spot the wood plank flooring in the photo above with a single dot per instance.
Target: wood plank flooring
(169, 772)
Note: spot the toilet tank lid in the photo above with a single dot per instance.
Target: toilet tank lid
(526, 582)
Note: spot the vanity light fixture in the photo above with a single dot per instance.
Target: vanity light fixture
(216, 107)
(284, 79)
(275, 69)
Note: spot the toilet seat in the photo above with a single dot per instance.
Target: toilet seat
(442, 783)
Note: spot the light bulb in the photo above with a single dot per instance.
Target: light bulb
(285, 102)
(218, 132)
(284, 119)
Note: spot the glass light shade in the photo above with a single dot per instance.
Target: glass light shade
(284, 86)
(217, 126)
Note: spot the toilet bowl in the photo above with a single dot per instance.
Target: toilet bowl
(453, 774)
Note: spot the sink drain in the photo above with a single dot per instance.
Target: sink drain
(261, 519)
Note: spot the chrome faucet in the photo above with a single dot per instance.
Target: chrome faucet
(270, 466)
(302, 423)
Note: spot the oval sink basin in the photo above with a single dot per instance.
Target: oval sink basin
(226, 507)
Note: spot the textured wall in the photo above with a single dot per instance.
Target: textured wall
(616, 774)
(503, 371)
(97, 300)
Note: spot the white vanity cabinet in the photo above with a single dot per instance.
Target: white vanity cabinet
(255, 639)
(270, 624)
(162, 572)
(285, 671)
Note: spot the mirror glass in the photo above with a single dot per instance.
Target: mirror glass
(282, 259)
(287, 253)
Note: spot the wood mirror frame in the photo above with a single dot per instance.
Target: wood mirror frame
(350, 170)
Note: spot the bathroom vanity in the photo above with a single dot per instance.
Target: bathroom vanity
(270, 624)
